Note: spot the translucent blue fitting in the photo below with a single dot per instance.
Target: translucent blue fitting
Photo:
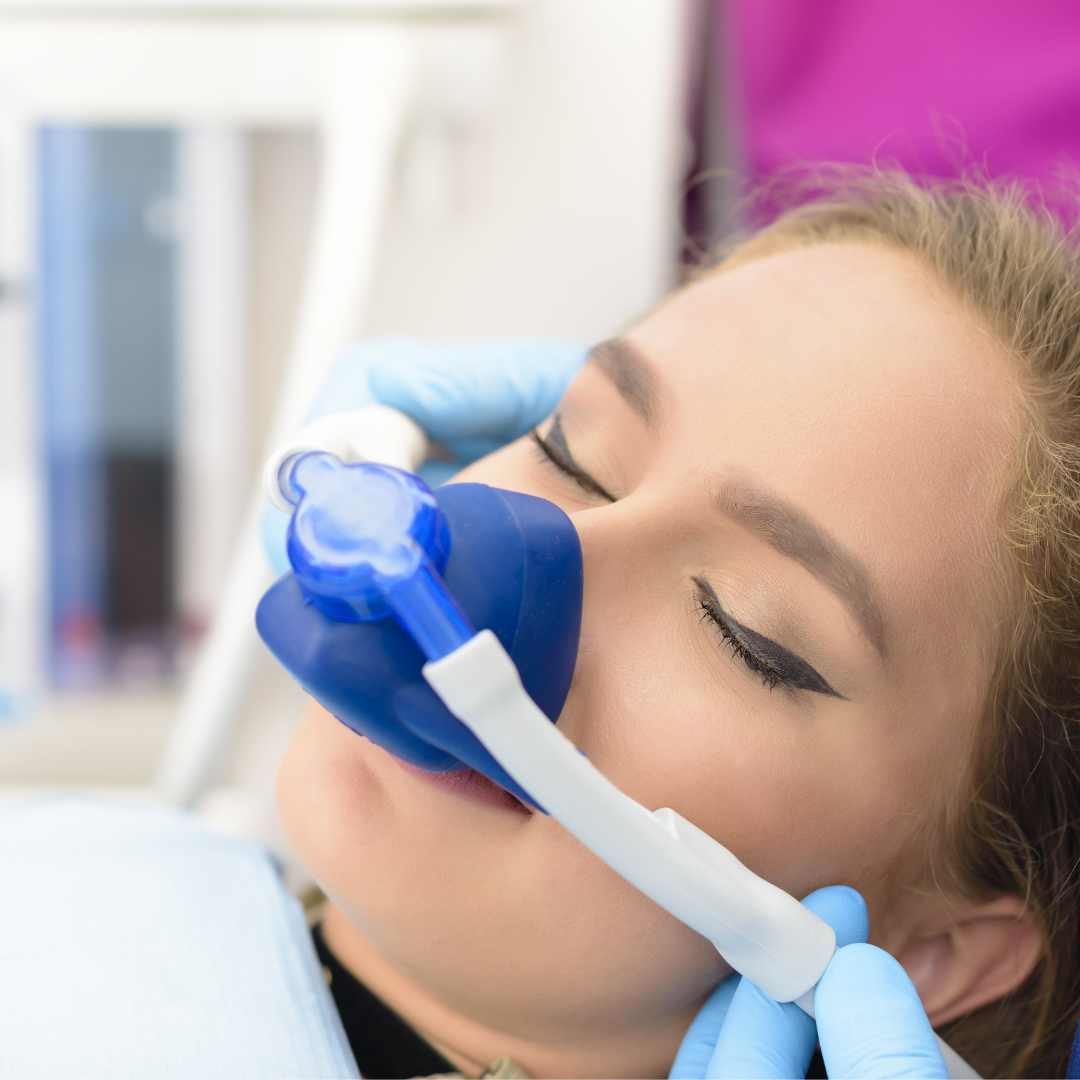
(367, 541)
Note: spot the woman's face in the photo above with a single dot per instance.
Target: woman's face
(785, 490)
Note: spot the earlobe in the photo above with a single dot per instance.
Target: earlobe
(982, 953)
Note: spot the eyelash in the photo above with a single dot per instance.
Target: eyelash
(550, 457)
(770, 677)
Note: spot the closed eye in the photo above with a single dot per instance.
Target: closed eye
(772, 663)
(556, 451)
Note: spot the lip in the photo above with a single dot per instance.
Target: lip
(468, 784)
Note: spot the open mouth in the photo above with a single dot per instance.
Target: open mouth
(469, 784)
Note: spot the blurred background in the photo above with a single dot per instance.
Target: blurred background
(196, 197)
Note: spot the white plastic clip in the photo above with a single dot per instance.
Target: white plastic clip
(374, 433)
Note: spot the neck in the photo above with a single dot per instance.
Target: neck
(472, 1046)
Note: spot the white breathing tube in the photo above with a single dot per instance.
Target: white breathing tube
(760, 930)
(763, 932)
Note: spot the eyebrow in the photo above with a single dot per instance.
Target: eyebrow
(795, 534)
(633, 375)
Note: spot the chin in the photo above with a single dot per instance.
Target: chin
(474, 902)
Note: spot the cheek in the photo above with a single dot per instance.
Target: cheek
(805, 797)
(780, 800)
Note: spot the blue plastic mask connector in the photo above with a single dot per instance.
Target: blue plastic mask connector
(367, 541)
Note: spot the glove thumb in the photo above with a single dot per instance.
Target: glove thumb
(870, 1020)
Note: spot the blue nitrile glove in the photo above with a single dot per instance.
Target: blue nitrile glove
(870, 1021)
(775, 1029)
(472, 396)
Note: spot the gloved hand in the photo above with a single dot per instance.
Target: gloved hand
(870, 1022)
(472, 396)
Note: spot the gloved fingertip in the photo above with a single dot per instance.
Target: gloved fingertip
(493, 388)
(762, 1038)
(870, 1020)
(844, 910)
(697, 1046)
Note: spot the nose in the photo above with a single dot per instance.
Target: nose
(622, 546)
(623, 555)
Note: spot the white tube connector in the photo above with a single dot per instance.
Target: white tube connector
(375, 433)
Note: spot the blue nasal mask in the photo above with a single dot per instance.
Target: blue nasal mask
(388, 574)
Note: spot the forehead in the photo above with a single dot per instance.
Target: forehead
(847, 379)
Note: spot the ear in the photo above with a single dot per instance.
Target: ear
(969, 955)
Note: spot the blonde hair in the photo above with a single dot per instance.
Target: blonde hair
(1010, 260)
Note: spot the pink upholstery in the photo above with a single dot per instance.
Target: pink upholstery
(910, 81)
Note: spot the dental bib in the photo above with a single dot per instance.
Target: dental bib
(444, 627)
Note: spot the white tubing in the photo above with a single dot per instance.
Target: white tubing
(373, 433)
(760, 930)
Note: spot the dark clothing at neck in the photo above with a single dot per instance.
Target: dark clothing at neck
(384, 1045)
